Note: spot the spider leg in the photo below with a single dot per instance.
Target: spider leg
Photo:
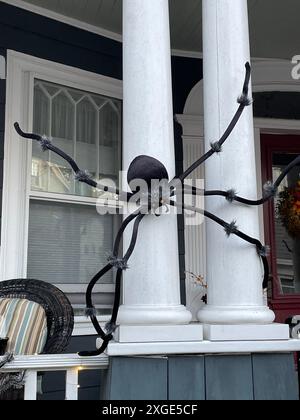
(120, 264)
(80, 175)
(216, 147)
(89, 303)
(231, 229)
(111, 326)
(230, 195)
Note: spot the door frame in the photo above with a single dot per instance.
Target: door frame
(289, 304)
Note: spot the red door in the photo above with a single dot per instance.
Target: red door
(277, 152)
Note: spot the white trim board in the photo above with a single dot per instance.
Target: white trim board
(84, 327)
(201, 348)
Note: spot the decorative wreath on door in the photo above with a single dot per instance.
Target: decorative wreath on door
(288, 210)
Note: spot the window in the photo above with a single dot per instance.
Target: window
(51, 229)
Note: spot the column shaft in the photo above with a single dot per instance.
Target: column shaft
(233, 267)
(151, 285)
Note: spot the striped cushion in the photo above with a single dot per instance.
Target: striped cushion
(25, 324)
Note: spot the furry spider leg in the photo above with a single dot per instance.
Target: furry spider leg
(231, 196)
(120, 264)
(216, 147)
(232, 229)
(114, 262)
(80, 175)
(111, 325)
(90, 310)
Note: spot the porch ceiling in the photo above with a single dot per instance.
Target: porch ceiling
(274, 26)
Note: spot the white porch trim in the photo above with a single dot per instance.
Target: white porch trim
(203, 348)
(72, 364)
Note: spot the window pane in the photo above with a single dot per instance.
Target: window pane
(109, 158)
(86, 122)
(86, 126)
(68, 243)
(63, 115)
(41, 114)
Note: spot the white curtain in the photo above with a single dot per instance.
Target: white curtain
(68, 243)
(86, 126)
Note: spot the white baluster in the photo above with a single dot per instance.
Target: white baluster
(72, 384)
(30, 393)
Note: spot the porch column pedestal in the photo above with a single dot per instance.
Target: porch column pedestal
(234, 270)
(151, 284)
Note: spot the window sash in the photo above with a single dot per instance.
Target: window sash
(22, 71)
(111, 203)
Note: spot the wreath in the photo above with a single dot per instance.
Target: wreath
(288, 209)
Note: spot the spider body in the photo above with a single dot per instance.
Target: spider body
(146, 168)
(144, 173)
(148, 179)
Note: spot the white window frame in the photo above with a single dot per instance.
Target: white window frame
(22, 70)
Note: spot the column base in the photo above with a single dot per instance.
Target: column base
(158, 333)
(154, 315)
(272, 332)
(236, 315)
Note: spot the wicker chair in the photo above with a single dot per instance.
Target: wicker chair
(59, 312)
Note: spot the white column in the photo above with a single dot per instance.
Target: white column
(234, 271)
(151, 285)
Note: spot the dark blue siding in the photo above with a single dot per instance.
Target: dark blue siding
(45, 38)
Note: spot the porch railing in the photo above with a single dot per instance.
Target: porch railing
(72, 364)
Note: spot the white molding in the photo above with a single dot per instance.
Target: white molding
(186, 53)
(202, 348)
(64, 19)
(55, 362)
(70, 76)
(84, 327)
(73, 199)
(277, 126)
(21, 71)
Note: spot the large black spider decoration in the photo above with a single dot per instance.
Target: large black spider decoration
(147, 168)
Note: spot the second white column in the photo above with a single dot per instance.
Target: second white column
(235, 294)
